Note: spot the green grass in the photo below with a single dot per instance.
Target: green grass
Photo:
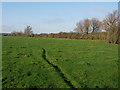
(84, 63)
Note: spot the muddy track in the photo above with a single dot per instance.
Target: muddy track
(57, 69)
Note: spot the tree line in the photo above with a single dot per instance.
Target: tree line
(27, 32)
(85, 29)
(109, 24)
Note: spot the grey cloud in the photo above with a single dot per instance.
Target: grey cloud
(98, 8)
(56, 20)
(7, 29)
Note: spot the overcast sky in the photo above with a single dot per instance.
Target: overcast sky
(51, 17)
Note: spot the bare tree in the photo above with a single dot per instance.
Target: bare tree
(110, 24)
(110, 20)
(95, 25)
(80, 27)
(86, 24)
(28, 30)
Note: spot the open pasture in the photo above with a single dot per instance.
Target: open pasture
(29, 62)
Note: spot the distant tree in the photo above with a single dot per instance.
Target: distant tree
(86, 24)
(110, 24)
(110, 20)
(28, 30)
(95, 25)
(80, 27)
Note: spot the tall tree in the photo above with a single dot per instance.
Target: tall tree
(28, 30)
(110, 20)
(86, 24)
(110, 24)
(80, 27)
(95, 25)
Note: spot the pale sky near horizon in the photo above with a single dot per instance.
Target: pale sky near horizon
(51, 17)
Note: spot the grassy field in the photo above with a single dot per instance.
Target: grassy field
(58, 63)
